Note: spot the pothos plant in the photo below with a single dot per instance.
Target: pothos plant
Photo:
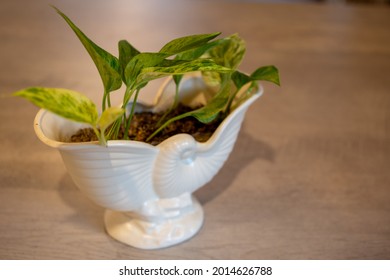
(216, 59)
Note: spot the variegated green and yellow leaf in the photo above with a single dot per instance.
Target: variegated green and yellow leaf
(107, 64)
(266, 73)
(109, 116)
(182, 67)
(186, 43)
(63, 102)
(230, 52)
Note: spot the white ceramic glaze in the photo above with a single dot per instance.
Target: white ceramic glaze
(147, 190)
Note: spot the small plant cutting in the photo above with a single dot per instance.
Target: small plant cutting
(147, 188)
(216, 59)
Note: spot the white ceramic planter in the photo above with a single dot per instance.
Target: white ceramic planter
(147, 190)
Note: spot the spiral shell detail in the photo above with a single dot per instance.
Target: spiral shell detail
(184, 165)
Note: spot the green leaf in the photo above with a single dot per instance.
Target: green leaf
(126, 53)
(212, 79)
(240, 79)
(199, 51)
(186, 43)
(109, 116)
(107, 64)
(177, 79)
(266, 73)
(230, 52)
(180, 67)
(211, 110)
(66, 103)
(139, 62)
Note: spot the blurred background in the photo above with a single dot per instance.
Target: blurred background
(318, 1)
(309, 175)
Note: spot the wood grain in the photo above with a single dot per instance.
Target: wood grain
(308, 178)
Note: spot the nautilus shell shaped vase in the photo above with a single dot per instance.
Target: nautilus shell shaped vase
(147, 190)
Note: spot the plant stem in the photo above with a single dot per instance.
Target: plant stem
(100, 135)
(225, 78)
(230, 102)
(108, 99)
(106, 102)
(114, 130)
(176, 101)
(168, 122)
(174, 105)
(128, 94)
(130, 117)
(248, 92)
(116, 126)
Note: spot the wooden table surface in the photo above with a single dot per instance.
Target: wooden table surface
(309, 175)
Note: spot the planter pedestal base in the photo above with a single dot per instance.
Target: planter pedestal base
(154, 232)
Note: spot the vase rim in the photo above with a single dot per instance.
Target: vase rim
(118, 143)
